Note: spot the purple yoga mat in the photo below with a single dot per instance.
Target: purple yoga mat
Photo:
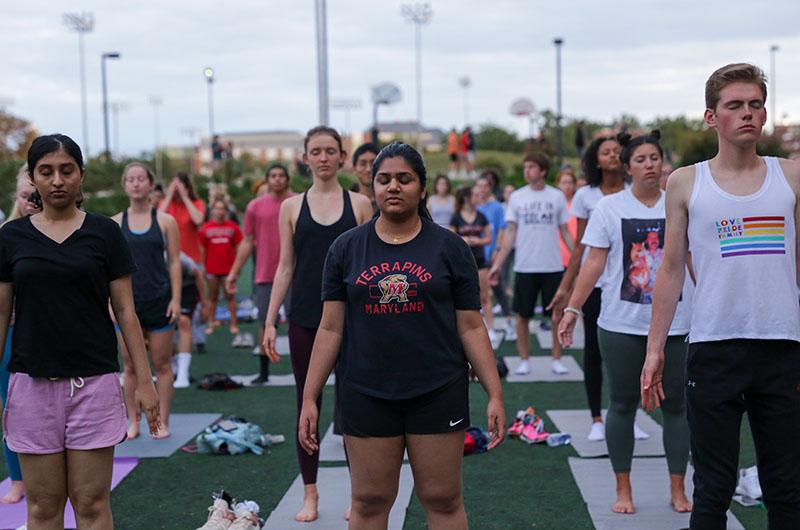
(13, 516)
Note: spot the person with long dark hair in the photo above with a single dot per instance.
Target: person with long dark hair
(603, 172)
(65, 413)
(619, 236)
(308, 224)
(402, 304)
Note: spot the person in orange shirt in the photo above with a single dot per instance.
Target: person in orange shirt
(182, 203)
(452, 151)
(567, 182)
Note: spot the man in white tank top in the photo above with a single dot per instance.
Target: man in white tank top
(737, 213)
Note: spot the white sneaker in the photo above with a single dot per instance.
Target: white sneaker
(597, 432)
(638, 433)
(494, 338)
(182, 379)
(524, 368)
(558, 367)
(511, 330)
(748, 484)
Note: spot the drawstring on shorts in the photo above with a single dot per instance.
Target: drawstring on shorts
(74, 382)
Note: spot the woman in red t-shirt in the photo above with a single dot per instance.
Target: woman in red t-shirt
(219, 238)
(181, 202)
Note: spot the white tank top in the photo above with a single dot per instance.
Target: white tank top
(743, 253)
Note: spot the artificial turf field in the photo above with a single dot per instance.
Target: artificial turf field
(516, 486)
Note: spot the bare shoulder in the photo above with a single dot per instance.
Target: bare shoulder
(165, 219)
(680, 184)
(290, 208)
(791, 169)
(362, 206)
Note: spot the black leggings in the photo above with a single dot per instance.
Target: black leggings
(592, 360)
(301, 341)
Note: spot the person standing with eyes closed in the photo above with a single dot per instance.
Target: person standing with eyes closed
(65, 413)
(308, 224)
(738, 213)
(402, 315)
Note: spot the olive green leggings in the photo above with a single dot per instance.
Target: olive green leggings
(623, 358)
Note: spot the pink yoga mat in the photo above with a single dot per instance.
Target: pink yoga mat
(12, 516)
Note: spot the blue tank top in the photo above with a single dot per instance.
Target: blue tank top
(311, 243)
(151, 279)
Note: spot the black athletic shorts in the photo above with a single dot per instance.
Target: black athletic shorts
(440, 411)
(189, 298)
(153, 314)
(528, 286)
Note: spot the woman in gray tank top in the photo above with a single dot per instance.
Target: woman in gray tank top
(442, 205)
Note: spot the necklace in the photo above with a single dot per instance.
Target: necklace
(403, 237)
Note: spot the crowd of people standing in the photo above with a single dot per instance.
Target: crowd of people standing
(647, 271)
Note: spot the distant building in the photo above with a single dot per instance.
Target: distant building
(264, 146)
(406, 131)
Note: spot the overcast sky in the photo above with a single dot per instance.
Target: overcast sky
(645, 57)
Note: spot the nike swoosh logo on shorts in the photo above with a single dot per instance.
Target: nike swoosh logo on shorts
(454, 423)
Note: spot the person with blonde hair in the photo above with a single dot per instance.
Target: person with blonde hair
(24, 205)
(153, 239)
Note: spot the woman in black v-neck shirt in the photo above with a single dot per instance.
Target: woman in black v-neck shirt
(401, 301)
(58, 270)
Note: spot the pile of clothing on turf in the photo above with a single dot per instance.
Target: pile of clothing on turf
(235, 436)
(225, 513)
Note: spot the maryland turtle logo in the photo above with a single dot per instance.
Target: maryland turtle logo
(394, 287)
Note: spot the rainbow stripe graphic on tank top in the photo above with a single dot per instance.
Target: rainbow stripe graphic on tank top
(748, 236)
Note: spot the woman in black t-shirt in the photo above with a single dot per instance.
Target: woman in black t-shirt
(64, 411)
(476, 231)
(401, 300)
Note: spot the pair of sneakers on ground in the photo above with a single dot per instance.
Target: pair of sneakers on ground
(556, 366)
(243, 516)
(598, 432)
(528, 427)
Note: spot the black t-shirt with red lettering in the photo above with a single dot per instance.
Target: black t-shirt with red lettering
(400, 337)
(475, 228)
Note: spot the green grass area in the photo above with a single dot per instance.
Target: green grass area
(516, 486)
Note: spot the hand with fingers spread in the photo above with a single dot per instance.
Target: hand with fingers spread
(566, 327)
(147, 399)
(270, 338)
(307, 427)
(651, 381)
(496, 422)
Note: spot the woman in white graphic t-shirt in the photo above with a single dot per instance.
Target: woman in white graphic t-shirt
(625, 236)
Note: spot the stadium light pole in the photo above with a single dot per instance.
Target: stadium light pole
(418, 14)
(558, 42)
(322, 61)
(772, 51)
(107, 55)
(117, 107)
(465, 82)
(156, 102)
(208, 72)
(81, 23)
